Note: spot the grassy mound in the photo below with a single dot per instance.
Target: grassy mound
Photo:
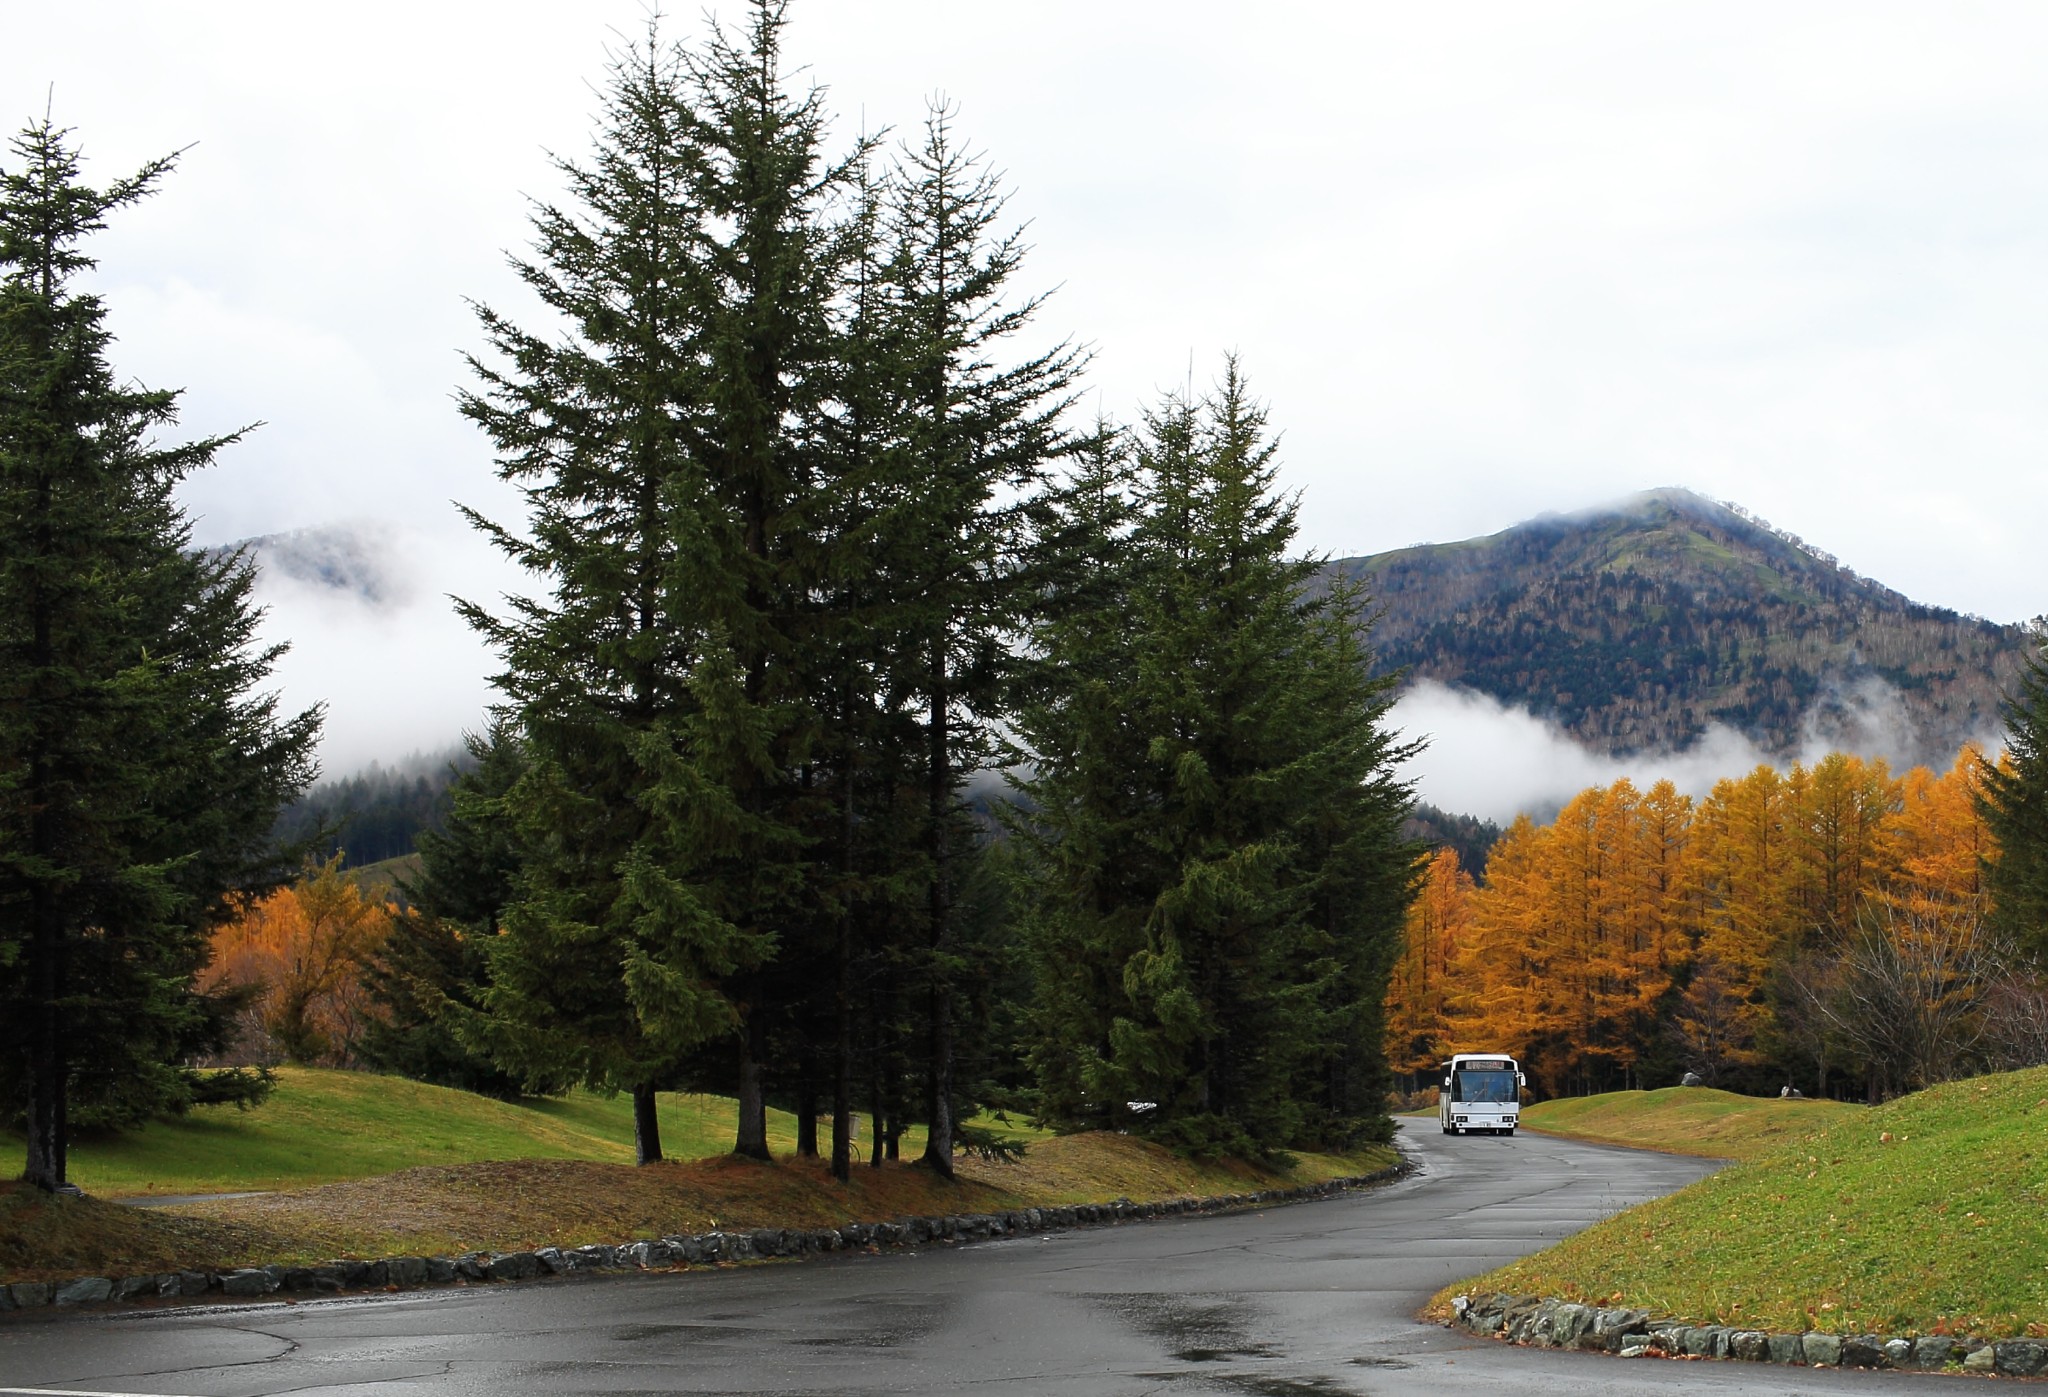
(324, 1127)
(1926, 1215)
(1688, 1120)
(519, 1204)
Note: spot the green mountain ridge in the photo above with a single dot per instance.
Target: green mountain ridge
(1638, 626)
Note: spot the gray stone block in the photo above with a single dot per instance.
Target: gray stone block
(194, 1282)
(1862, 1351)
(1898, 1353)
(1568, 1322)
(551, 1259)
(1931, 1353)
(2021, 1358)
(1787, 1348)
(375, 1274)
(1822, 1348)
(1982, 1360)
(440, 1270)
(136, 1287)
(330, 1278)
(86, 1290)
(1620, 1323)
(1669, 1338)
(406, 1270)
(250, 1280)
(514, 1266)
(473, 1266)
(31, 1295)
(1750, 1345)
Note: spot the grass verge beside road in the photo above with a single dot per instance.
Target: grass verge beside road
(1926, 1215)
(1688, 1120)
(323, 1127)
(486, 1175)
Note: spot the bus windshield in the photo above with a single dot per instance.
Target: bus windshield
(1467, 1085)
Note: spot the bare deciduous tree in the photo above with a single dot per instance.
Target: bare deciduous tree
(2016, 1023)
(1908, 992)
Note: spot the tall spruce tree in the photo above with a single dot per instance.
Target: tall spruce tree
(437, 952)
(981, 429)
(1216, 836)
(664, 446)
(140, 775)
(2014, 800)
(1083, 806)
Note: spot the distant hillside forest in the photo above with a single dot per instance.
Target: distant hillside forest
(1469, 837)
(376, 814)
(1637, 627)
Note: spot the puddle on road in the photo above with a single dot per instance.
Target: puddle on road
(1254, 1384)
(1211, 1333)
(1194, 1328)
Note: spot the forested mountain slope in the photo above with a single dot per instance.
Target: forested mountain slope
(1638, 625)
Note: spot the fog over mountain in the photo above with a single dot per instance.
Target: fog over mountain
(1671, 628)
(1663, 636)
(365, 608)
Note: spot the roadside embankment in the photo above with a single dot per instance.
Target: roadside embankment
(1923, 1217)
(1688, 1120)
(1631, 1333)
(323, 1237)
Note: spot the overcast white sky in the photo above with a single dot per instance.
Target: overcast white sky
(1484, 260)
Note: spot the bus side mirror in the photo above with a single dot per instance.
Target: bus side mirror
(1447, 1081)
(1521, 1080)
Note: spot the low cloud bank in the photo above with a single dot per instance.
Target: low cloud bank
(1494, 761)
(373, 635)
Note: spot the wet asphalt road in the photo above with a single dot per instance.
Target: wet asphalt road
(1312, 1298)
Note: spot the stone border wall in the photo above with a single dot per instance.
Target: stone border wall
(666, 1253)
(1542, 1323)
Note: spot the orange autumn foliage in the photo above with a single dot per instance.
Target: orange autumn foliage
(1638, 919)
(303, 948)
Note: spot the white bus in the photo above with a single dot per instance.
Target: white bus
(1481, 1091)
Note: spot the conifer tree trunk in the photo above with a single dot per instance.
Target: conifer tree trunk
(646, 1127)
(806, 1114)
(842, 1047)
(751, 1138)
(877, 1100)
(938, 1147)
(46, 1122)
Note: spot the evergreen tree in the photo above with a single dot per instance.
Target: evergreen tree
(660, 690)
(979, 435)
(2013, 800)
(140, 775)
(1217, 825)
(1086, 809)
(436, 953)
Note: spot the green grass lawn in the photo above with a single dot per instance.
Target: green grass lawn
(1688, 1120)
(1927, 1215)
(325, 1126)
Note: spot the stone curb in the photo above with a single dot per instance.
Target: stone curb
(695, 1249)
(1544, 1323)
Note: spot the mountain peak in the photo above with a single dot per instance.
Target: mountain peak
(1640, 624)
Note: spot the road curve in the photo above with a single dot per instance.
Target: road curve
(1312, 1298)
